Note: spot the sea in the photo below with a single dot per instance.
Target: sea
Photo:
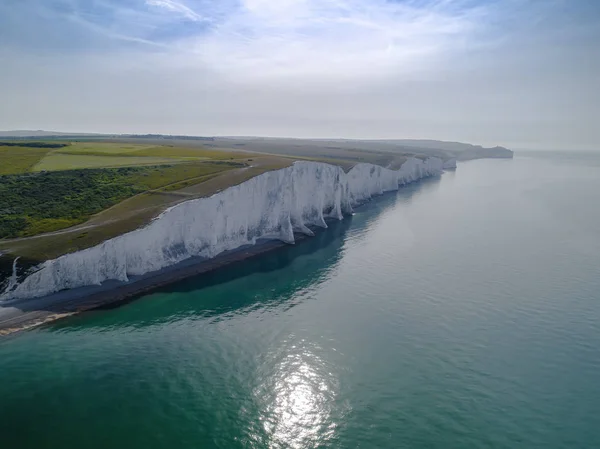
(460, 312)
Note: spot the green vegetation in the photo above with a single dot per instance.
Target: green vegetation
(24, 156)
(202, 153)
(155, 177)
(46, 187)
(138, 210)
(17, 159)
(36, 203)
(188, 182)
(60, 161)
(154, 151)
(34, 144)
(102, 148)
(113, 186)
(40, 226)
(30, 203)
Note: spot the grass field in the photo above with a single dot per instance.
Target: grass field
(15, 159)
(137, 210)
(165, 176)
(202, 153)
(102, 148)
(62, 184)
(153, 151)
(24, 157)
(59, 161)
(79, 155)
(31, 204)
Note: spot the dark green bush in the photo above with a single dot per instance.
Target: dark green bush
(71, 196)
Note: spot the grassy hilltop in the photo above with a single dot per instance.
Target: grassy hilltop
(57, 197)
(67, 193)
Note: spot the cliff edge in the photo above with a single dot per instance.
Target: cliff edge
(274, 205)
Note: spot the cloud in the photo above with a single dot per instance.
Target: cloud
(491, 72)
(250, 39)
(176, 7)
(335, 38)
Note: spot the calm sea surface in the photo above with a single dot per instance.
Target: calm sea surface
(462, 312)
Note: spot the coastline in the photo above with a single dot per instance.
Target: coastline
(20, 315)
(98, 278)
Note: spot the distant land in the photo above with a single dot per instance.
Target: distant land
(27, 133)
(291, 146)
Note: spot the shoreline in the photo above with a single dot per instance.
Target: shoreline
(20, 315)
(25, 313)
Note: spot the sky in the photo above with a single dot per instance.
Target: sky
(517, 73)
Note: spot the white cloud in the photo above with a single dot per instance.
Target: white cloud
(330, 39)
(176, 7)
(346, 68)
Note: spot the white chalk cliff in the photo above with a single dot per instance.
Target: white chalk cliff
(272, 205)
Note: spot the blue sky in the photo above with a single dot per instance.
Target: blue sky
(513, 72)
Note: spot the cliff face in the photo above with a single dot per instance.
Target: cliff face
(272, 205)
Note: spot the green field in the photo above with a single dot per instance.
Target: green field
(58, 161)
(49, 186)
(19, 159)
(23, 157)
(102, 148)
(152, 151)
(36, 203)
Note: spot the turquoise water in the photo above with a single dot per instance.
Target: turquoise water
(462, 312)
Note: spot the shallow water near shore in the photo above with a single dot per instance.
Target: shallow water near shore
(461, 312)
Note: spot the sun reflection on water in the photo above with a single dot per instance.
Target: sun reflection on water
(298, 400)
